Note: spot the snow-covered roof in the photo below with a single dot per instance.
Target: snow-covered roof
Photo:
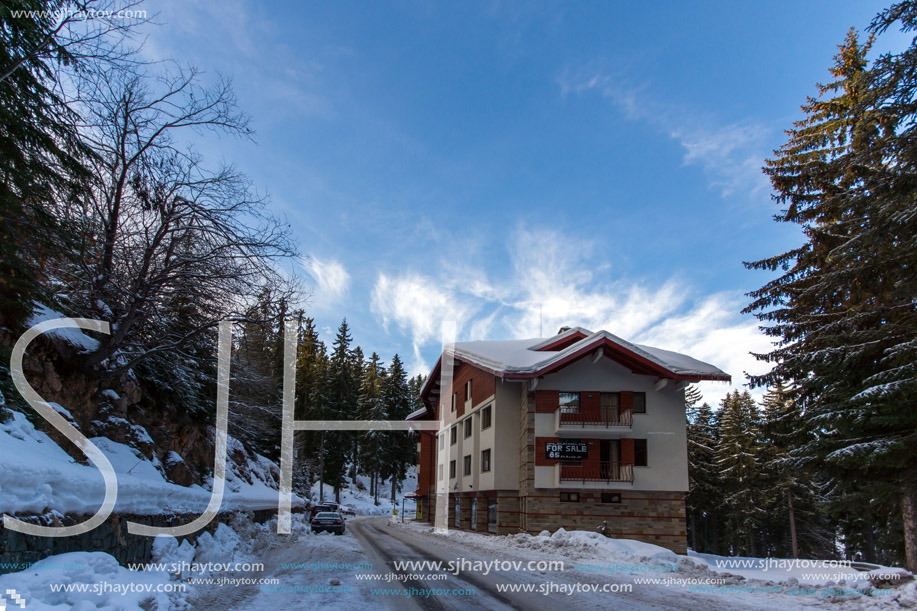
(530, 358)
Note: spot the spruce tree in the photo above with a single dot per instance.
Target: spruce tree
(398, 449)
(372, 407)
(342, 391)
(796, 519)
(738, 458)
(843, 308)
(705, 489)
(41, 156)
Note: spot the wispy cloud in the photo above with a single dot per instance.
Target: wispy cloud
(332, 281)
(730, 155)
(418, 305)
(553, 282)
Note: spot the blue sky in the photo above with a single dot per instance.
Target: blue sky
(515, 165)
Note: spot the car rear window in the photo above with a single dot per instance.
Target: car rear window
(326, 515)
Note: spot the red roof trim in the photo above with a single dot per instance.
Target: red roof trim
(628, 358)
(563, 342)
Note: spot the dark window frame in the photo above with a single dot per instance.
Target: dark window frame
(452, 469)
(486, 417)
(642, 410)
(641, 453)
(453, 435)
(569, 497)
(469, 428)
(466, 465)
(485, 461)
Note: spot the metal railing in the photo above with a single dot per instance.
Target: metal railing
(597, 416)
(597, 471)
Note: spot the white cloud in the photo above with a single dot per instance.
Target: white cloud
(552, 284)
(332, 282)
(713, 331)
(419, 306)
(731, 155)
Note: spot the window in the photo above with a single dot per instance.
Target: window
(442, 440)
(492, 514)
(468, 426)
(611, 497)
(639, 402)
(640, 458)
(467, 465)
(569, 402)
(468, 390)
(440, 472)
(457, 509)
(451, 469)
(485, 461)
(485, 418)
(569, 497)
(454, 435)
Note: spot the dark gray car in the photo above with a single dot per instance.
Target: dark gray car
(330, 521)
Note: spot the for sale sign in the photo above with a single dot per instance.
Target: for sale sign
(567, 450)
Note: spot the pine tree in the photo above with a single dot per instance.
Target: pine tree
(372, 407)
(738, 458)
(796, 520)
(693, 396)
(843, 311)
(342, 386)
(41, 156)
(398, 450)
(310, 359)
(705, 490)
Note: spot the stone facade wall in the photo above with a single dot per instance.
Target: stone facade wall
(110, 537)
(653, 517)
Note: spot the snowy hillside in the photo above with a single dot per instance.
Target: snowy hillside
(38, 476)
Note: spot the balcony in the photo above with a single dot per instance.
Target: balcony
(593, 420)
(594, 473)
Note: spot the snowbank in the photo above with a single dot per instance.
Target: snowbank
(104, 584)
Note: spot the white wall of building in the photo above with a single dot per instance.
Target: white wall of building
(663, 424)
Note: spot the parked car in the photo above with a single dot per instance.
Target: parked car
(322, 507)
(347, 510)
(330, 521)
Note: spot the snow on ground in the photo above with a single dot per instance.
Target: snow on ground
(593, 553)
(72, 335)
(38, 476)
(320, 570)
(808, 572)
(242, 565)
(355, 495)
(104, 584)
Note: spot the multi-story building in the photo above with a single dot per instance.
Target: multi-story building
(575, 431)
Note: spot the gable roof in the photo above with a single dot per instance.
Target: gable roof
(524, 359)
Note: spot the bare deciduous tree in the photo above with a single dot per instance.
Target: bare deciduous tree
(159, 227)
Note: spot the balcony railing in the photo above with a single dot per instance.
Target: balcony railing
(596, 472)
(596, 417)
